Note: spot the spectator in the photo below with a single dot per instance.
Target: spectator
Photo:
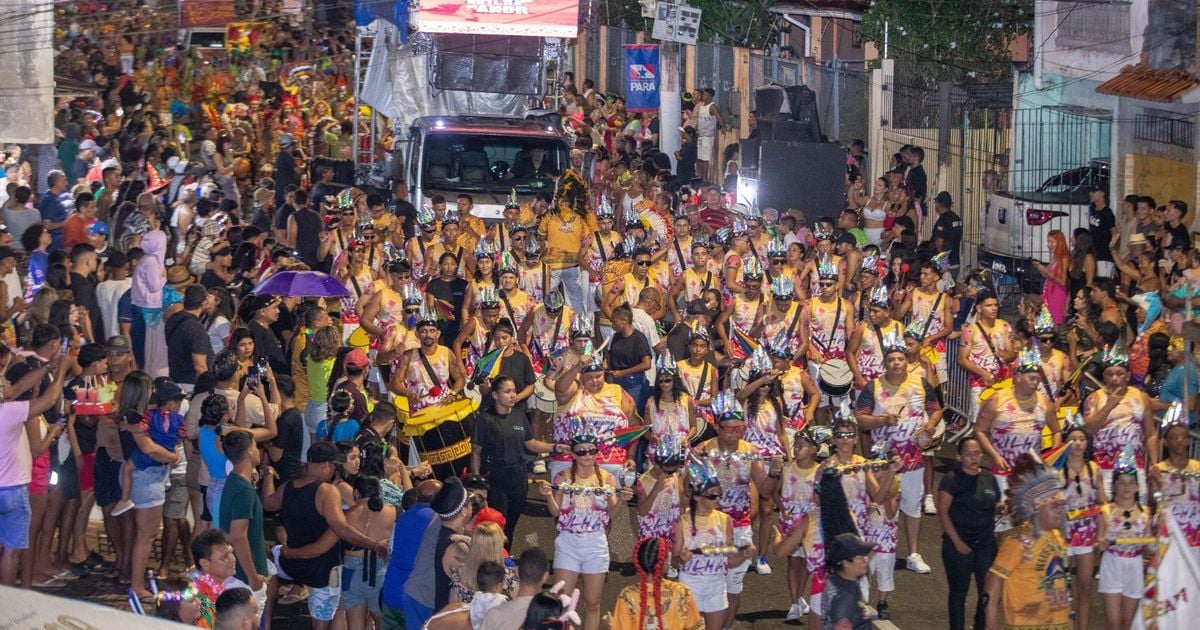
(190, 349)
(52, 209)
(407, 538)
(236, 610)
(967, 499)
(242, 512)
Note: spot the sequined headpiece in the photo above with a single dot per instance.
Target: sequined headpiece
(634, 220)
(1071, 422)
(739, 227)
(512, 200)
(427, 317)
(725, 406)
(489, 298)
(485, 249)
(826, 270)
(941, 261)
(1127, 461)
(593, 359)
(915, 330)
(629, 244)
(821, 232)
(1044, 324)
(820, 437)
(697, 331)
(880, 298)
(425, 216)
(776, 248)
(751, 268)
(605, 209)
(411, 295)
(701, 475)
(554, 300)
(723, 236)
(1174, 416)
(760, 362)
(1029, 360)
(782, 286)
(506, 263)
(450, 216)
(669, 451)
(664, 364)
(581, 326)
(581, 431)
(780, 346)
(533, 248)
(1113, 355)
(870, 264)
(893, 342)
(345, 199)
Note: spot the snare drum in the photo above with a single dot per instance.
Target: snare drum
(835, 381)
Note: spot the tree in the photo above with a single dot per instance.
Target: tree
(954, 40)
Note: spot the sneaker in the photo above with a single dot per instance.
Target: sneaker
(122, 507)
(79, 569)
(804, 607)
(672, 573)
(794, 613)
(916, 564)
(881, 611)
(930, 508)
(539, 467)
(761, 567)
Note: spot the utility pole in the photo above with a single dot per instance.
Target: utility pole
(670, 114)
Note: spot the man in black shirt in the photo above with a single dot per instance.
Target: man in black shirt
(451, 289)
(405, 212)
(287, 449)
(83, 265)
(285, 167)
(188, 338)
(304, 230)
(947, 231)
(629, 357)
(915, 175)
(263, 310)
(1102, 223)
(1177, 232)
(685, 168)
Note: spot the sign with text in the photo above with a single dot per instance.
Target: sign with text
(641, 78)
(676, 23)
(193, 13)
(534, 18)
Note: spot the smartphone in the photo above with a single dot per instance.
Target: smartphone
(65, 344)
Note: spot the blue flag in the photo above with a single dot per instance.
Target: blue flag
(641, 78)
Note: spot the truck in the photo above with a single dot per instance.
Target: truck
(1016, 224)
(484, 156)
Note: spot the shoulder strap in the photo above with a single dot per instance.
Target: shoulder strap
(433, 377)
(837, 317)
(703, 380)
(933, 311)
(795, 320)
(707, 281)
(512, 315)
(600, 246)
(678, 252)
(557, 327)
(988, 341)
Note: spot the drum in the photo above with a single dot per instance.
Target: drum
(995, 387)
(358, 338)
(835, 378)
(930, 444)
(441, 436)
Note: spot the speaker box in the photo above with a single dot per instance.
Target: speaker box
(806, 175)
(797, 131)
(488, 63)
(748, 152)
(767, 103)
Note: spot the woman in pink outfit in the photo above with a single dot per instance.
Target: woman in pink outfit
(1054, 288)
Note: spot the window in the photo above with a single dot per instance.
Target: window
(1101, 27)
(1165, 127)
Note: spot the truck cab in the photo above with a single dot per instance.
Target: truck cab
(486, 157)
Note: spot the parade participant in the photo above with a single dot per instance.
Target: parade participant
(734, 264)
(510, 362)
(564, 228)
(384, 306)
(418, 247)
(902, 411)
(866, 343)
(582, 500)
(782, 320)
(746, 311)
(967, 500)
(698, 375)
(536, 278)
(776, 261)
(680, 251)
(1083, 487)
(401, 335)
(984, 350)
(697, 277)
(627, 290)
(516, 303)
(704, 544)
(429, 374)
(762, 398)
(1055, 367)
(451, 242)
(930, 306)
(1029, 576)
(799, 515)
(810, 276)
(1118, 415)
(738, 465)
(1175, 480)
(1010, 422)
(598, 249)
(756, 239)
(827, 320)
(1122, 578)
(336, 240)
(660, 490)
(581, 392)
(670, 410)
(655, 602)
(799, 393)
(485, 276)
(546, 333)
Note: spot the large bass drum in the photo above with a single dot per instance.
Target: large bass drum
(442, 435)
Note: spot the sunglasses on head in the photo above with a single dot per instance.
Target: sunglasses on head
(586, 452)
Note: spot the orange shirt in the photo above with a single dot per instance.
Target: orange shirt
(75, 231)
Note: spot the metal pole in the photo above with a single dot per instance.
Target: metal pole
(886, 29)
(669, 105)
(837, 113)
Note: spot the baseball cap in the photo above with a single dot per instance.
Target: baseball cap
(168, 391)
(97, 226)
(356, 359)
(119, 343)
(89, 145)
(323, 453)
(286, 140)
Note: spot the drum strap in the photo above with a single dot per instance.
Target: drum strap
(795, 320)
(837, 318)
(512, 315)
(557, 327)
(988, 341)
(1045, 382)
(703, 381)
(545, 281)
(707, 282)
(932, 312)
(678, 252)
(433, 377)
(500, 235)
(600, 247)
(354, 281)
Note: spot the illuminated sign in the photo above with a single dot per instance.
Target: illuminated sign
(536, 18)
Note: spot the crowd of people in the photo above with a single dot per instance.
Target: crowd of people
(756, 385)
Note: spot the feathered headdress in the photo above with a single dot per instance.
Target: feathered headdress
(489, 298)
(702, 475)
(581, 326)
(554, 300)
(782, 286)
(605, 209)
(776, 248)
(411, 295)
(1044, 324)
(425, 216)
(751, 268)
(760, 362)
(664, 364)
(826, 270)
(880, 298)
(507, 263)
(1114, 355)
(1029, 360)
(780, 346)
(1174, 416)
(725, 406)
(893, 342)
(512, 200)
(1032, 490)
(916, 330)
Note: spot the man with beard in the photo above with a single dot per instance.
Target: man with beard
(427, 375)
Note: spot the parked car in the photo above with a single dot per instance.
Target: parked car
(1016, 224)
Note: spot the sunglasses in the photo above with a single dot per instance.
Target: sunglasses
(412, 311)
(587, 452)
(778, 261)
(427, 228)
(711, 496)
(643, 263)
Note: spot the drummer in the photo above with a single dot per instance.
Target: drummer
(474, 339)
(599, 248)
(581, 392)
(401, 336)
(697, 277)
(902, 411)
(930, 306)
(546, 332)
(984, 349)
(866, 344)
(826, 322)
(1010, 422)
(384, 308)
(783, 318)
(430, 374)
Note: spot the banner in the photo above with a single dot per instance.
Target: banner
(534, 18)
(1172, 597)
(193, 13)
(641, 78)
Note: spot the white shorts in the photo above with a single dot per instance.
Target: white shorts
(704, 148)
(1004, 523)
(708, 590)
(742, 536)
(586, 554)
(1121, 576)
(883, 571)
(912, 490)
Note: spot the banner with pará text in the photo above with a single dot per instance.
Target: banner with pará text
(641, 78)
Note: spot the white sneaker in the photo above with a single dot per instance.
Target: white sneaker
(794, 613)
(539, 467)
(672, 573)
(930, 508)
(762, 568)
(122, 507)
(916, 564)
(804, 607)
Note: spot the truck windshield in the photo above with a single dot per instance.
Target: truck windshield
(465, 162)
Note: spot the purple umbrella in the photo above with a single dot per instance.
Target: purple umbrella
(302, 284)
